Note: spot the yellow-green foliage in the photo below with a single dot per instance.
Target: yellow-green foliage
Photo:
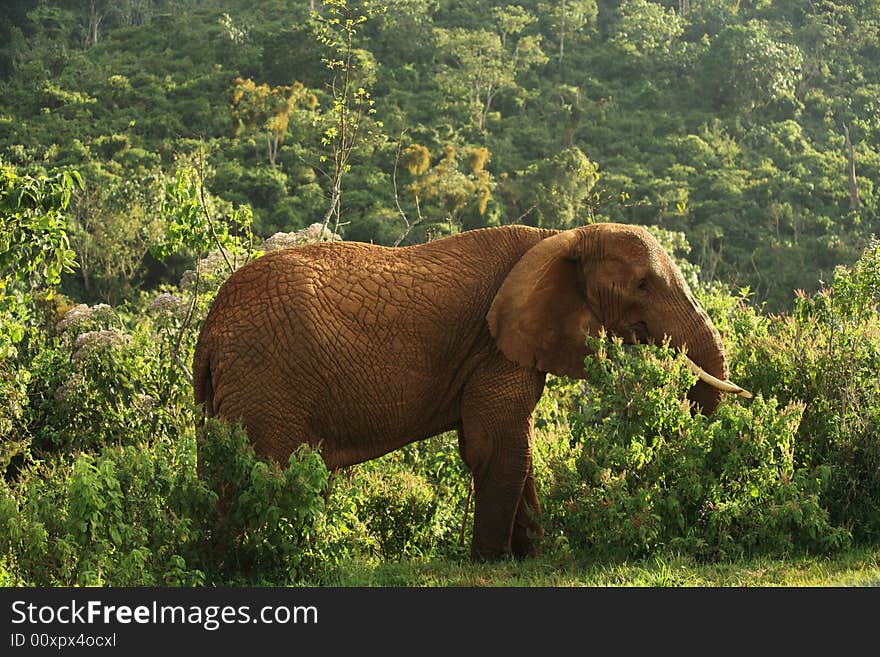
(416, 159)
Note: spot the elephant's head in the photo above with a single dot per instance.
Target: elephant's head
(604, 275)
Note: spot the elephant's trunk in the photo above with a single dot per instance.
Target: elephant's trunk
(705, 349)
(705, 397)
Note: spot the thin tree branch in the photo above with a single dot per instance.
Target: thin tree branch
(187, 320)
(409, 225)
(204, 206)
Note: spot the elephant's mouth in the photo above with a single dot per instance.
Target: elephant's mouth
(638, 333)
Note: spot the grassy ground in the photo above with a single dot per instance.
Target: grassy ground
(860, 567)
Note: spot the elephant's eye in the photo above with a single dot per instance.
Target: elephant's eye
(643, 285)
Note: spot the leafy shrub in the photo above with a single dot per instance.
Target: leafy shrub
(266, 528)
(399, 510)
(140, 515)
(34, 245)
(408, 503)
(640, 472)
(13, 401)
(827, 353)
(122, 517)
(100, 383)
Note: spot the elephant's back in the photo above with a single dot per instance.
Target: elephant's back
(307, 304)
(456, 261)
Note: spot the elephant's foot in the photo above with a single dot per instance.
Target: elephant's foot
(522, 546)
(489, 553)
(522, 543)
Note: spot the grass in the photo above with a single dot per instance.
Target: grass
(858, 567)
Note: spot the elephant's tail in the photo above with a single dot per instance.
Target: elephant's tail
(203, 392)
(203, 388)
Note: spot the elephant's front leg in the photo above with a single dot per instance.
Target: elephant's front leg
(496, 444)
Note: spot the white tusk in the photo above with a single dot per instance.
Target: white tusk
(718, 384)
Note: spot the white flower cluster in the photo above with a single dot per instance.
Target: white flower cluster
(212, 264)
(144, 403)
(165, 303)
(314, 233)
(67, 390)
(81, 313)
(86, 343)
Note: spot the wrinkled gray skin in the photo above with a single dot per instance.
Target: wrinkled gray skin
(359, 349)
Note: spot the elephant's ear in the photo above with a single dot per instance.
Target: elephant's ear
(539, 316)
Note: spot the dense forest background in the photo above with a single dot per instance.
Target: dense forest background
(150, 147)
(750, 126)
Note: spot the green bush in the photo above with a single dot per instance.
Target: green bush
(406, 504)
(266, 528)
(827, 354)
(123, 517)
(140, 515)
(639, 472)
(98, 376)
(399, 510)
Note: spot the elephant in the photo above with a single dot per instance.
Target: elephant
(359, 349)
